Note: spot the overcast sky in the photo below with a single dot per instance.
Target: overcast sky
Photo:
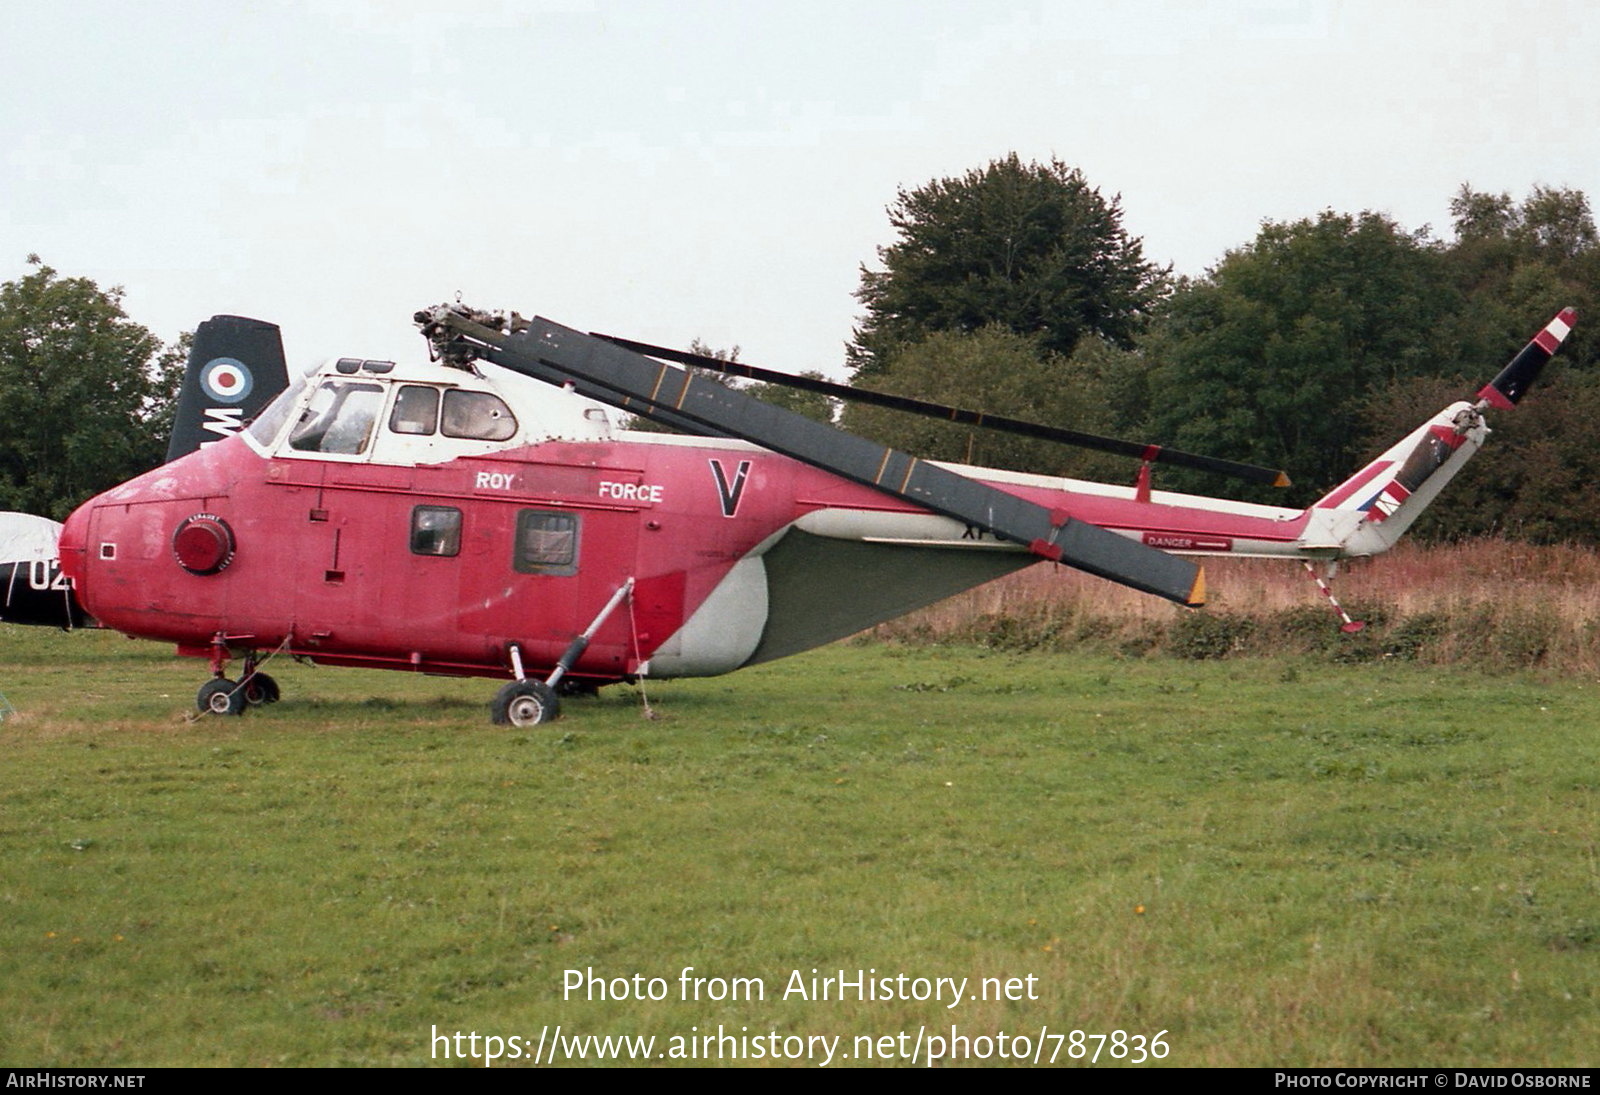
(668, 171)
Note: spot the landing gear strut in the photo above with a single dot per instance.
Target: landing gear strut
(529, 702)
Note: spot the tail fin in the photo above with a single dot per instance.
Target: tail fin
(1371, 510)
(236, 367)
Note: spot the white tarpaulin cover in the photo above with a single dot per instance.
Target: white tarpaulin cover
(24, 537)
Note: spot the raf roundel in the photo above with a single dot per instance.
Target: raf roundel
(226, 379)
(203, 544)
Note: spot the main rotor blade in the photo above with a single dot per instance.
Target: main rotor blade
(1155, 453)
(538, 346)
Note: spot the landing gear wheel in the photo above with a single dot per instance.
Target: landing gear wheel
(220, 697)
(259, 688)
(524, 703)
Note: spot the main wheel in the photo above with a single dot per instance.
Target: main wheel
(220, 696)
(524, 703)
(259, 688)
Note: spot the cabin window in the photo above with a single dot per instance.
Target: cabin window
(478, 416)
(416, 410)
(339, 419)
(547, 543)
(435, 530)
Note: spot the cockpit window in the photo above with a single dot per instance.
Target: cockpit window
(269, 423)
(416, 410)
(478, 416)
(339, 418)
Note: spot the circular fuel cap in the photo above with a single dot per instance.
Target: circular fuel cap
(203, 544)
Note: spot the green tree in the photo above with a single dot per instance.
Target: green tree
(1031, 247)
(999, 371)
(86, 394)
(1518, 263)
(1269, 357)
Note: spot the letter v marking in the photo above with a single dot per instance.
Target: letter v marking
(729, 494)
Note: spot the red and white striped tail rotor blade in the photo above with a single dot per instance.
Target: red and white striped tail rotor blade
(1516, 378)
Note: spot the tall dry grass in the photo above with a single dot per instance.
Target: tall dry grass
(1493, 603)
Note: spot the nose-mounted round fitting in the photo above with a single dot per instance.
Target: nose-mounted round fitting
(203, 544)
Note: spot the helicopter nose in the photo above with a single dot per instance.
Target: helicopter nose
(73, 547)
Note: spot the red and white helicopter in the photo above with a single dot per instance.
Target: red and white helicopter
(487, 515)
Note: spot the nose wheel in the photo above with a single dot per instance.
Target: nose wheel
(221, 696)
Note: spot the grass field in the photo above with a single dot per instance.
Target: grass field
(1275, 861)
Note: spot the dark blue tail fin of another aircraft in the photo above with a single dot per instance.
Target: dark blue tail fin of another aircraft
(236, 367)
